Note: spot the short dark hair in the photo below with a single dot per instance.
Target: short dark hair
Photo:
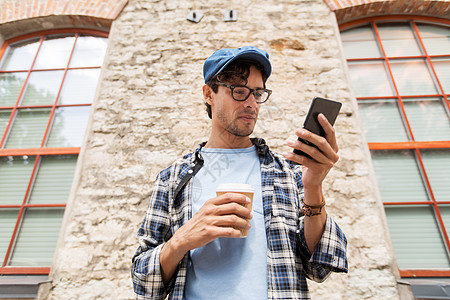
(236, 72)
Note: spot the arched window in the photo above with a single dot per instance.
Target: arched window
(400, 72)
(47, 85)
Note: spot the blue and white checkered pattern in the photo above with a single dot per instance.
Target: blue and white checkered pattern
(289, 261)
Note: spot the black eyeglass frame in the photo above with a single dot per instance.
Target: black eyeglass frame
(252, 91)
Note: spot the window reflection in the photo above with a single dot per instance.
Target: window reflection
(412, 77)
(20, 55)
(69, 126)
(55, 52)
(398, 175)
(28, 128)
(4, 118)
(370, 79)
(435, 38)
(8, 219)
(428, 119)
(442, 68)
(416, 238)
(382, 121)
(10, 86)
(437, 166)
(40, 228)
(15, 172)
(79, 86)
(89, 52)
(398, 40)
(54, 179)
(42, 88)
(360, 43)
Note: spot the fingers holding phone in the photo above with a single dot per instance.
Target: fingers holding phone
(315, 147)
(317, 140)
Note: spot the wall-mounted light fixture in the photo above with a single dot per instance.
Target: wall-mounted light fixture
(194, 16)
(230, 15)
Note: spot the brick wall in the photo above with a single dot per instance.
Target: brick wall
(23, 9)
(27, 16)
(349, 10)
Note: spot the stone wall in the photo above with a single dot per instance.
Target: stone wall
(149, 111)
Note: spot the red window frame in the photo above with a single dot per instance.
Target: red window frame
(42, 150)
(414, 145)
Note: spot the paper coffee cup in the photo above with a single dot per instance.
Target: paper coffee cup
(241, 188)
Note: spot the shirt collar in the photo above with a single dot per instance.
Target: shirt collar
(259, 143)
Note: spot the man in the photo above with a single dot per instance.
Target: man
(189, 240)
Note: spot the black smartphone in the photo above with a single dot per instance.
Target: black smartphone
(329, 108)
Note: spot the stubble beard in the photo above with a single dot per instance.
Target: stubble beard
(233, 128)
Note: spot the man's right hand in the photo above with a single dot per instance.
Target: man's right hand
(218, 217)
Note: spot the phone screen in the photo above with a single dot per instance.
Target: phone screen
(329, 108)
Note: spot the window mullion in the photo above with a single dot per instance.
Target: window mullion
(397, 94)
(21, 212)
(434, 202)
(52, 113)
(14, 109)
(430, 65)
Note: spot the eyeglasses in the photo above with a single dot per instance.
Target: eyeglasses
(241, 92)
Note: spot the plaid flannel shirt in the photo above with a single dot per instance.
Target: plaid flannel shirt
(289, 261)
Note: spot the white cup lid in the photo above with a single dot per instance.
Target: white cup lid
(235, 187)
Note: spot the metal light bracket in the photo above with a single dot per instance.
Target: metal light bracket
(230, 15)
(194, 16)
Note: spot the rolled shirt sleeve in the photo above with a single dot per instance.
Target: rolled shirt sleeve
(329, 254)
(152, 235)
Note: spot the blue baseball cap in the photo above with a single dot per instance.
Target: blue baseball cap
(221, 58)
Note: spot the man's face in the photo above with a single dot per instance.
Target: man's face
(236, 117)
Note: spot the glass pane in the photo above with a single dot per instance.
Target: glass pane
(360, 43)
(28, 128)
(42, 88)
(15, 174)
(37, 238)
(10, 87)
(412, 77)
(437, 166)
(435, 38)
(53, 180)
(398, 40)
(79, 86)
(416, 238)
(20, 55)
(4, 119)
(445, 214)
(8, 219)
(382, 121)
(370, 79)
(398, 176)
(428, 119)
(89, 52)
(442, 68)
(55, 52)
(69, 126)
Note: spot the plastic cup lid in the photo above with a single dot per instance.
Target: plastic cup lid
(235, 187)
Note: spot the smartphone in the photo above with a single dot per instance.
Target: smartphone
(329, 108)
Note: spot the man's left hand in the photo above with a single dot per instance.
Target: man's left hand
(316, 168)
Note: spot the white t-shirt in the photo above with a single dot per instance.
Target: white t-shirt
(229, 268)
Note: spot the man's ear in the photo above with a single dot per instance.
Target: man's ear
(207, 94)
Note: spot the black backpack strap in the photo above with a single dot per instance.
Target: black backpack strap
(198, 164)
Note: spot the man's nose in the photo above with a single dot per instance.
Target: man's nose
(251, 100)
